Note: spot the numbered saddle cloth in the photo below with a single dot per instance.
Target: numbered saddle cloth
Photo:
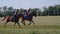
(26, 16)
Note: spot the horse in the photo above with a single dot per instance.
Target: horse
(30, 18)
(12, 19)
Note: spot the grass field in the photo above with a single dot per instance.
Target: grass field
(43, 25)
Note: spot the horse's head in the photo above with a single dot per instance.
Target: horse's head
(34, 13)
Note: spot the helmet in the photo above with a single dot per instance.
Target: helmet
(29, 9)
(25, 10)
(17, 9)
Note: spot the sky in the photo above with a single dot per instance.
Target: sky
(26, 4)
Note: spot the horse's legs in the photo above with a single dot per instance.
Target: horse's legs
(23, 21)
(33, 22)
(14, 24)
(18, 24)
(29, 23)
(6, 23)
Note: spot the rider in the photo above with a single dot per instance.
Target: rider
(26, 13)
(15, 13)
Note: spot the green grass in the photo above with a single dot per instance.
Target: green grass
(31, 27)
(30, 31)
(43, 25)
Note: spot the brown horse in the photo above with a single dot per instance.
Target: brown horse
(30, 18)
(12, 19)
(16, 20)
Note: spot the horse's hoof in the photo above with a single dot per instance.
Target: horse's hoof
(25, 24)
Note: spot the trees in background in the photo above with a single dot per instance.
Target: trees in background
(52, 10)
(47, 11)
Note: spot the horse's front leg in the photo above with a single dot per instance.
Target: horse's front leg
(33, 22)
(23, 21)
(29, 23)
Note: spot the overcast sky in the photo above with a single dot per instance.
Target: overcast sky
(28, 3)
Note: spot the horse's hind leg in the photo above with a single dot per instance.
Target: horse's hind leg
(33, 22)
(23, 22)
(6, 23)
(18, 24)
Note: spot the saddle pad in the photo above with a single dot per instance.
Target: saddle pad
(26, 17)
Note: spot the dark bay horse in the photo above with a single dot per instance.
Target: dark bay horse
(30, 18)
(11, 19)
(16, 20)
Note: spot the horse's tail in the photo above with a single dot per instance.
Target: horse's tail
(4, 18)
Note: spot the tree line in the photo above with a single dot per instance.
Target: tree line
(47, 11)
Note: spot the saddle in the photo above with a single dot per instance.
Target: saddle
(13, 18)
